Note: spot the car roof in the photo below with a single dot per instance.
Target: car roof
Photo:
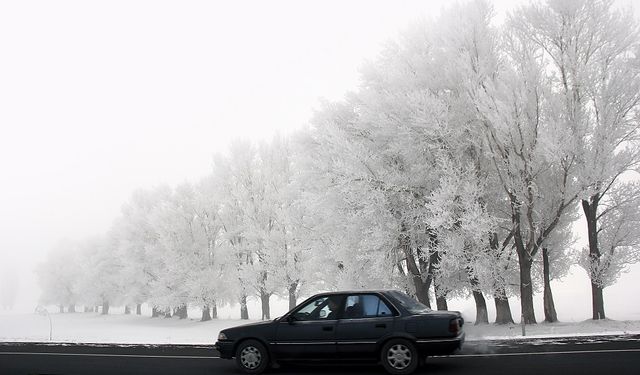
(359, 291)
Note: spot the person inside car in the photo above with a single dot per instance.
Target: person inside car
(332, 305)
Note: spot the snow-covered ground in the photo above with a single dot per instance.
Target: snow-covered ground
(129, 329)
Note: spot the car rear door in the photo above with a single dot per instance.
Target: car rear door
(366, 319)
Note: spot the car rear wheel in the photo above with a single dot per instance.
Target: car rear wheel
(252, 357)
(399, 357)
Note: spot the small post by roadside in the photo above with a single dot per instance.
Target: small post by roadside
(522, 323)
(43, 311)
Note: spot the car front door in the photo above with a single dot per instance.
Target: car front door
(366, 319)
(309, 332)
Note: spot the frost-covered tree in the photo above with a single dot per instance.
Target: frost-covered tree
(287, 237)
(523, 132)
(458, 213)
(180, 248)
(391, 148)
(138, 242)
(592, 52)
(101, 282)
(58, 276)
(234, 178)
(328, 229)
(465, 41)
(618, 239)
(208, 280)
(363, 198)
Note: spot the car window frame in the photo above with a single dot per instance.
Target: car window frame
(340, 308)
(394, 311)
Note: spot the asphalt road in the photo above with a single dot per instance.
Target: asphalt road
(602, 355)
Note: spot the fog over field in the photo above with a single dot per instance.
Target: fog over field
(108, 109)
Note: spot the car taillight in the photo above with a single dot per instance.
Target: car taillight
(454, 325)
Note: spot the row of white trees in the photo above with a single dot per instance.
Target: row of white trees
(459, 168)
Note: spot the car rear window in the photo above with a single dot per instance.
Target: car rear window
(409, 303)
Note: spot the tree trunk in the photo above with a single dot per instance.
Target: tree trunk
(139, 309)
(61, 308)
(155, 312)
(482, 316)
(441, 298)
(264, 301)
(525, 253)
(526, 290)
(441, 303)
(421, 286)
(420, 269)
(167, 312)
(72, 308)
(214, 310)
(598, 302)
(503, 310)
(550, 314)
(590, 209)
(206, 314)
(422, 290)
(292, 295)
(244, 310)
(182, 312)
(127, 310)
(105, 308)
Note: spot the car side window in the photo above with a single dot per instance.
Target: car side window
(383, 309)
(365, 306)
(323, 308)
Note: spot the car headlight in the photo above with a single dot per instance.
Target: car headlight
(222, 336)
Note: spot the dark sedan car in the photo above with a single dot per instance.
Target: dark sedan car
(386, 326)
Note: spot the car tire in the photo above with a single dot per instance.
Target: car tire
(252, 357)
(399, 357)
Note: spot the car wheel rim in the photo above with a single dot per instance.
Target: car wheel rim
(399, 357)
(250, 357)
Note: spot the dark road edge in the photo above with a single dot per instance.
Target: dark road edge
(471, 347)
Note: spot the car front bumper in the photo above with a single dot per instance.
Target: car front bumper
(225, 348)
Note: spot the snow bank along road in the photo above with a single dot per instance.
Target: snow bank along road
(617, 355)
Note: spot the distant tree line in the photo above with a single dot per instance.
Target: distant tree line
(457, 169)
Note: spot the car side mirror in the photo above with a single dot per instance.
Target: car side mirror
(291, 319)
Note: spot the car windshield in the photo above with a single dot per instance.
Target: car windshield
(409, 303)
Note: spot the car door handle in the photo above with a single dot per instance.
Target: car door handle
(327, 328)
(381, 325)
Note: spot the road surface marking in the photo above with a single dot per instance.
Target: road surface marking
(541, 353)
(109, 355)
(209, 357)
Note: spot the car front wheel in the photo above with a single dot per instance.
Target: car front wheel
(252, 357)
(399, 357)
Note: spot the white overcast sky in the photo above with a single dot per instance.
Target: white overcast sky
(99, 98)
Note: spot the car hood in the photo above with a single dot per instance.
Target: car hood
(253, 327)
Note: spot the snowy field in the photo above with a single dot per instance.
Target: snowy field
(130, 329)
